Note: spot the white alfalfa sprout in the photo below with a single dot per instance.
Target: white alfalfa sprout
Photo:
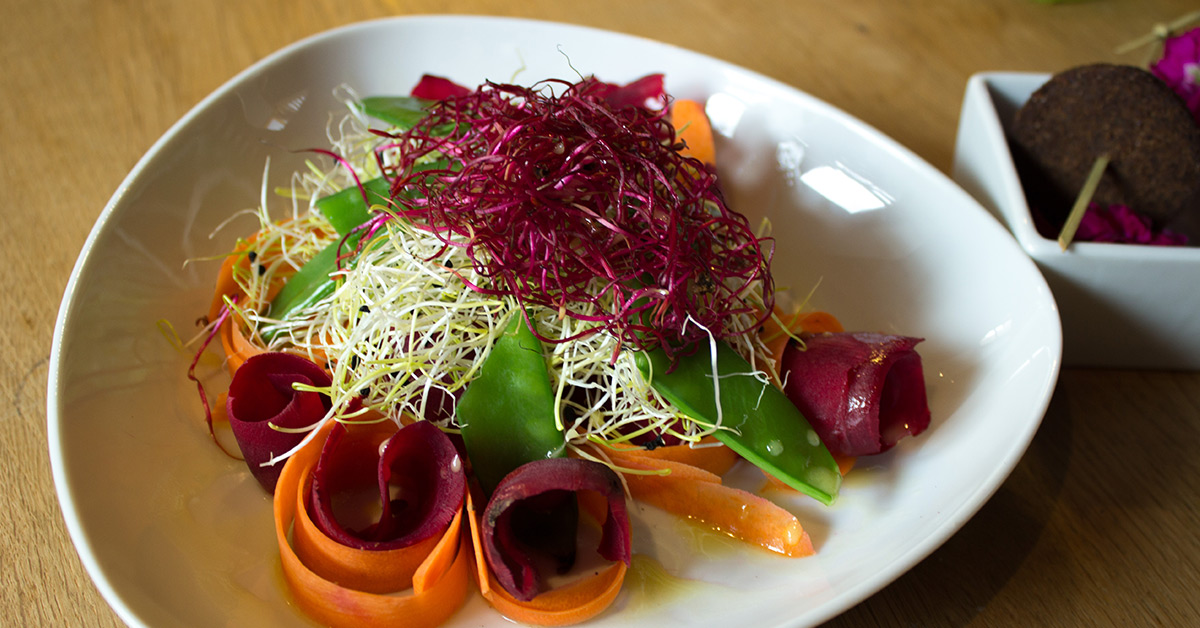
(400, 326)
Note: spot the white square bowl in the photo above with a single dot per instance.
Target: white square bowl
(1122, 305)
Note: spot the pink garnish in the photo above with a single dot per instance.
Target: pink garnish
(416, 485)
(582, 199)
(1179, 67)
(438, 88)
(1119, 223)
(262, 398)
(508, 554)
(214, 328)
(861, 392)
(645, 91)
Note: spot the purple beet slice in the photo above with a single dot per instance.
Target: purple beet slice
(861, 392)
(409, 483)
(433, 87)
(510, 558)
(635, 94)
(262, 398)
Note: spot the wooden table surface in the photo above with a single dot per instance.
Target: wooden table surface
(1098, 525)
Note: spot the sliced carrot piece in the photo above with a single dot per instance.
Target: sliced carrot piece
(383, 571)
(237, 347)
(699, 495)
(440, 583)
(593, 504)
(576, 602)
(481, 568)
(443, 561)
(845, 463)
(692, 126)
(226, 286)
(681, 471)
(709, 454)
(819, 321)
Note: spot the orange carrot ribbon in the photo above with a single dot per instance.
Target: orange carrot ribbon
(692, 126)
(576, 602)
(341, 586)
(698, 494)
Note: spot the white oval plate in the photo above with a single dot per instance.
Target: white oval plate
(175, 533)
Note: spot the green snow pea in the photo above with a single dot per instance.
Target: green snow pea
(507, 413)
(310, 284)
(403, 112)
(768, 429)
(345, 210)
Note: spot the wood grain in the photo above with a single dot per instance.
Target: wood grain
(1097, 525)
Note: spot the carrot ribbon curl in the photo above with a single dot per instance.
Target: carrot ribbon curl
(339, 585)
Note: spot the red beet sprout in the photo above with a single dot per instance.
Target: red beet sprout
(214, 329)
(577, 200)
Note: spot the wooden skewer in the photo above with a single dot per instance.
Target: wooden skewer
(1160, 32)
(1082, 201)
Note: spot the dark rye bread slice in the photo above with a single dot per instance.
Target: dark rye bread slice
(1126, 112)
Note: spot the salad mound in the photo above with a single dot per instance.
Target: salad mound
(501, 313)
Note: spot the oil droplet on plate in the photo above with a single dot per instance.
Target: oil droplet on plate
(651, 585)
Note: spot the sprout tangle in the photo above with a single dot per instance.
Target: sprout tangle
(582, 202)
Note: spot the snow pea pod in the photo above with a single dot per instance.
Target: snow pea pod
(403, 112)
(345, 210)
(348, 209)
(767, 428)
(507, 413)
(310, 284)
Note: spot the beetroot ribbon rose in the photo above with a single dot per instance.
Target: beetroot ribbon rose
(374, 582)
(262, 398)
(504, 547)
(386, 496)
(418, 479)
(861, 392)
